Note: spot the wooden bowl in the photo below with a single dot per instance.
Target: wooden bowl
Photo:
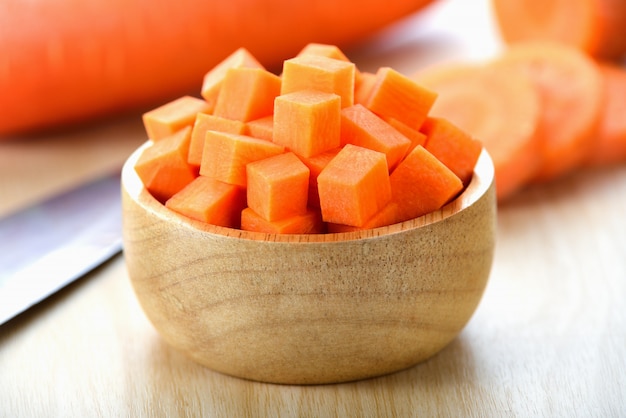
(310, 309)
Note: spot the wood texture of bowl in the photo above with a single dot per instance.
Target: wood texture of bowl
(310, 309)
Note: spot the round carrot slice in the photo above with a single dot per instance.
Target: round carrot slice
(500, 108)
(571, 88)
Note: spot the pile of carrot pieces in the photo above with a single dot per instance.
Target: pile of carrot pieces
(552, 102)
(321, 148)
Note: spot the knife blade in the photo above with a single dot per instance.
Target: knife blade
(50, 244)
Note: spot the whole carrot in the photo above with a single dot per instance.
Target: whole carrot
(72, 60)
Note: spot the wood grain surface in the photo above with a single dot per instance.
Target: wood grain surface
(548, 339)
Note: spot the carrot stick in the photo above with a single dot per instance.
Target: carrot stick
(72, 60)
(354, 186)
(162, 167)
(594, 26)
(501, 108)
(205, 122)
(277, 187)
(173, 116)
(309, 222)
(610, 146)
(572, 94)
(226, 155)
(211, 201)
(307, 122)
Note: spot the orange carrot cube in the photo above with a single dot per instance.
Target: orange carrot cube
(206, 122)
(363, 87)
(163, 168)
(309, 222)
(396, 95)
(386, 216)
(173, 116)
(226, 155)
(278, 186)
(213, 79)
(452, 146)
(247, 94)
(416, 137)
(316, 164)
(360, 126)
(422, 184)
(211, 201)
(315, 72)
(307, 122)
(354, 186)
(262, 128)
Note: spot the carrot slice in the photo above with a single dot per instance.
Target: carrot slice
(315, 165)
(211, 201)
(610, 146)
(501, 108)
(278, 186)
(172, 116)
(386, 216)
(162, 167)
(354, 186)
(247, 94)
(452, 146)
(594, 26)
(422, 184)
(207, 122)
(309, 222)
(213, 79)
(316, 72)
(572, 93)
(360, 126)
(396, 95)
(307, 122)
(226, 155)
(262, 128)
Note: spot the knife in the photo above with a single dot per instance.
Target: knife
(52, 243)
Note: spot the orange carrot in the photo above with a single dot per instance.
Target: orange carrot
(308, 223)
(594, 26)
(316, 72)
(277, 187)
(386, 216)
(247, 94)
(396, 95)
(363, 86)
(262, 128)
(315, 165)
(73, 60)
(360, 126)
(205, 122)
(422, 184)
(211, 201)
(307, 122)
(452, 146)
(416, 137)
(500, 108)
(162, 167)
(173, 116)
(572, 93)
(226, 155)
(354, 186)
(610, 146)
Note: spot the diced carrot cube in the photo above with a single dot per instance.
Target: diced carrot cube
(307, 122)
(416, 137)
(315, 72)
(278, 186)
(354, 186)
(226, 155)
(363, 87)
(360, 126)
(163, 168)
(211, 201)
(422, 184)
(316, 164)
(452, 146)
(247, 94)
(386, 216)
(206, 122)
(309, 222)
(212, 80)
(262, 128)
(173, 116)
(396, 95)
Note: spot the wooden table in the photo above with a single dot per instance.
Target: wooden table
(549, 338)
